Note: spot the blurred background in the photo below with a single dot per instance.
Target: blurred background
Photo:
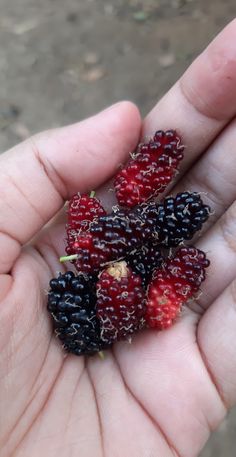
(62, 61)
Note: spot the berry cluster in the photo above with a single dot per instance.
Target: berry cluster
(128, 277)
(110, 237)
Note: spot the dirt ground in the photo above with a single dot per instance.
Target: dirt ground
(62, 61)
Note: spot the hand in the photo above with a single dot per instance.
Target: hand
(165, 393)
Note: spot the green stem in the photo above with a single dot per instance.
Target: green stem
(92, 194)
(67, 258)
(101, 355)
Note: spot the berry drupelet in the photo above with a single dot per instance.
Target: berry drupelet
(121, 303)
(172, 285)
(71, 303)
(150, 170)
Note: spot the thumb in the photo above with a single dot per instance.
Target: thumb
(39, 174)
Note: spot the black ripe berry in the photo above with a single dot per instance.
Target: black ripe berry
(71, 303)
(144, 261)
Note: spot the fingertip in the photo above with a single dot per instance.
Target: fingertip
(88, 153)
(203, 100)
(123, 121)
(131, 110)
(209, 83)
(129, 123)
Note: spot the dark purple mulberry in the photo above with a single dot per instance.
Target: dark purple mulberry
(71, 303)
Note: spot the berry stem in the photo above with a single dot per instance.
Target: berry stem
(101, 355)
(92, 194)
(67, 258)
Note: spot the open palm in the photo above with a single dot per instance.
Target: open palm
(163, 394)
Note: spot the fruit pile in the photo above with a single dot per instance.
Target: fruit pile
(131, 274)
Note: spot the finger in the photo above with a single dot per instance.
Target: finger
(220, 245)
(216, 337)
(165, 372)
(203, 101)
(214, 175)
(5, 285)
(38, 175)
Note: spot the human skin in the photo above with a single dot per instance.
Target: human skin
(165, 393)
